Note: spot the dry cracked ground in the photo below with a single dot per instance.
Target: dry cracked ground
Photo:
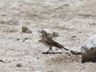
(74, 20)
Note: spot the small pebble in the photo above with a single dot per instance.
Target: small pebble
(38, 58)
(19, 65)
(18, 39)
(1, 61)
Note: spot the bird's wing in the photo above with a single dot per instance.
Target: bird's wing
(53, 43)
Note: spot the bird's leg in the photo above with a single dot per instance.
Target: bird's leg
(50, 49)
(51, 52)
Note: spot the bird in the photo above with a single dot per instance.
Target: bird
(49, 42)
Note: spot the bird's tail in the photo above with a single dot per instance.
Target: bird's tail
(65, 49)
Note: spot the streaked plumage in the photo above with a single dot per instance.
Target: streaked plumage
(49, 41)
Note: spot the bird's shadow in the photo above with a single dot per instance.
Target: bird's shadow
(51, 52)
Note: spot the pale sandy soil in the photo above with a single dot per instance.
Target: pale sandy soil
(74, 20)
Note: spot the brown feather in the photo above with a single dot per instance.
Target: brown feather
(49, 41)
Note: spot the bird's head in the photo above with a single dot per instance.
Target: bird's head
(43, 32)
